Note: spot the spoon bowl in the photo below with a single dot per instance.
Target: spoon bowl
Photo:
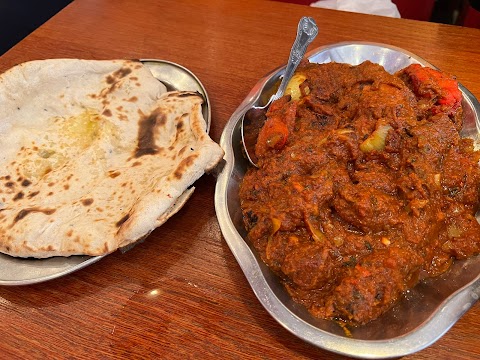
(254, 118)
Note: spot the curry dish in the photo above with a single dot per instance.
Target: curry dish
(364, 186)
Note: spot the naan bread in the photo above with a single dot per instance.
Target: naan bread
(94, 155)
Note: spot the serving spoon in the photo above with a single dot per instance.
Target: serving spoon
(254, 118)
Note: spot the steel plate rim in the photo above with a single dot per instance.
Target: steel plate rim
(91, 260)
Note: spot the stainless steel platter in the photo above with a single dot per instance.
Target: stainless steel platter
(20, 271)
(426, 312)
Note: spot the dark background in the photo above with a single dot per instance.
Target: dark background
(18, 18)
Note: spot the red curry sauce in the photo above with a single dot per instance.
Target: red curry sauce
(364, 187)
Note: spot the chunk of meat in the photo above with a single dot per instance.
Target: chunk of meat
(374, 284)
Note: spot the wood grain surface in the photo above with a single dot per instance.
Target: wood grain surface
(181, 294)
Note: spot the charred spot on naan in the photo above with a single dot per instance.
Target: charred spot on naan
(114, 173)
(183, 149)
(184, 165)
(152, 124)
(120, 222)
(180, 123)
(33, 194)
(11, 187)
(18, 196)
(87, 202)
(114, 80)
(117, 75)
(24, 212)
(146, 133)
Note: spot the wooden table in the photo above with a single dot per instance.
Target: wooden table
(181, 294)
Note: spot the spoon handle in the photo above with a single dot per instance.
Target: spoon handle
(307, 31)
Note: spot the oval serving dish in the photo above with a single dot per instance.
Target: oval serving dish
(422, 316)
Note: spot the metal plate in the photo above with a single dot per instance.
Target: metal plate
(21, 271)
(418, 320)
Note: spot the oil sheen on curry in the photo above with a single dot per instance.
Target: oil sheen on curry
(364, 186)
